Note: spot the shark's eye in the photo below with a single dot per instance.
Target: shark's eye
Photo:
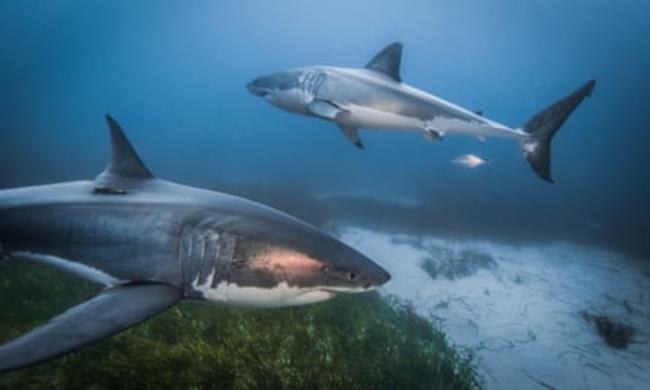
(324, 268)
(352, 276)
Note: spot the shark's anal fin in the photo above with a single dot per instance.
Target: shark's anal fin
(352, 134)
(125, 168)
(110, 312)
(324, 109)
(388, 61)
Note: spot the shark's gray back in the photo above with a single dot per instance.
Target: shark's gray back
(125, 236)
(158, 232)
(375, 90)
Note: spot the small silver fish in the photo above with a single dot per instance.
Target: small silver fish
(469, 161)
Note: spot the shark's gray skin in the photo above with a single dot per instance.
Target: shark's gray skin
(375, 97)
(152, 243)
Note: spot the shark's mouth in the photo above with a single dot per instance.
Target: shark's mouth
(327, 293)
(348, 290)
(262, 92)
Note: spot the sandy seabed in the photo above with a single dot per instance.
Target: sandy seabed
(524, 315)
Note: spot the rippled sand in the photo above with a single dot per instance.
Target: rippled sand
(523, 315)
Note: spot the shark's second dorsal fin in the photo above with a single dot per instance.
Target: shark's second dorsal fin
(125, 169)
(388, 61)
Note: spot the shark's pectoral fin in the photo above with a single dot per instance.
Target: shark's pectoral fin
(324, 109)
(332, 111)
(352, 134)
(111, 311)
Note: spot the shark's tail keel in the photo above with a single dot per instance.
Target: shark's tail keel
(542, 127)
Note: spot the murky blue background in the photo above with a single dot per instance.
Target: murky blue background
(173, 73)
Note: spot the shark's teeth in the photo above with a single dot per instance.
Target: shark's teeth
(278, 296)
(282, 294)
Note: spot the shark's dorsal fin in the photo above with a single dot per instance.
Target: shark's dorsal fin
(124, 168)
(388, 61)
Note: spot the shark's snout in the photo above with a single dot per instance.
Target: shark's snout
(382, 278)
(375, 276)
(354, 272)
(256, 88)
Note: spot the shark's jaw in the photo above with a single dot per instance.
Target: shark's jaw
(281, 295)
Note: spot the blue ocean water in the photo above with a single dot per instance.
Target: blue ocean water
(173, 73)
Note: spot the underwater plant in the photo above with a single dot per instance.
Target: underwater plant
(357, 341)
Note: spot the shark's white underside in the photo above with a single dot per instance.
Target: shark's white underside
(358, 116)
(375, 119)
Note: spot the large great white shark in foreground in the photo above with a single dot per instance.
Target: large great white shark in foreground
(375, 97)
(153, 243)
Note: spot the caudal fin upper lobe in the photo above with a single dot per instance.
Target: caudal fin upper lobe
(542, 127)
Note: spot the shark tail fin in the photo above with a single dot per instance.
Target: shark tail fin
(541, 128)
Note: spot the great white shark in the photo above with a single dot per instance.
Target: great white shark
(152, 243)
(374, 97)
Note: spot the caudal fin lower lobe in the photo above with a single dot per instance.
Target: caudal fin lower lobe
(543, 126)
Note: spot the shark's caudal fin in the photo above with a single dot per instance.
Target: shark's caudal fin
(388, 61)
(125, 169)
(543, 126)
(110, 312)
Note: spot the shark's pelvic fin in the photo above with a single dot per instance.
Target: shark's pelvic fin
(124, 168)
(111, 311)
(352, 134)
(388, 61)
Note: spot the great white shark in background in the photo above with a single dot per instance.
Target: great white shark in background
(374, 97)
(153, 243)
